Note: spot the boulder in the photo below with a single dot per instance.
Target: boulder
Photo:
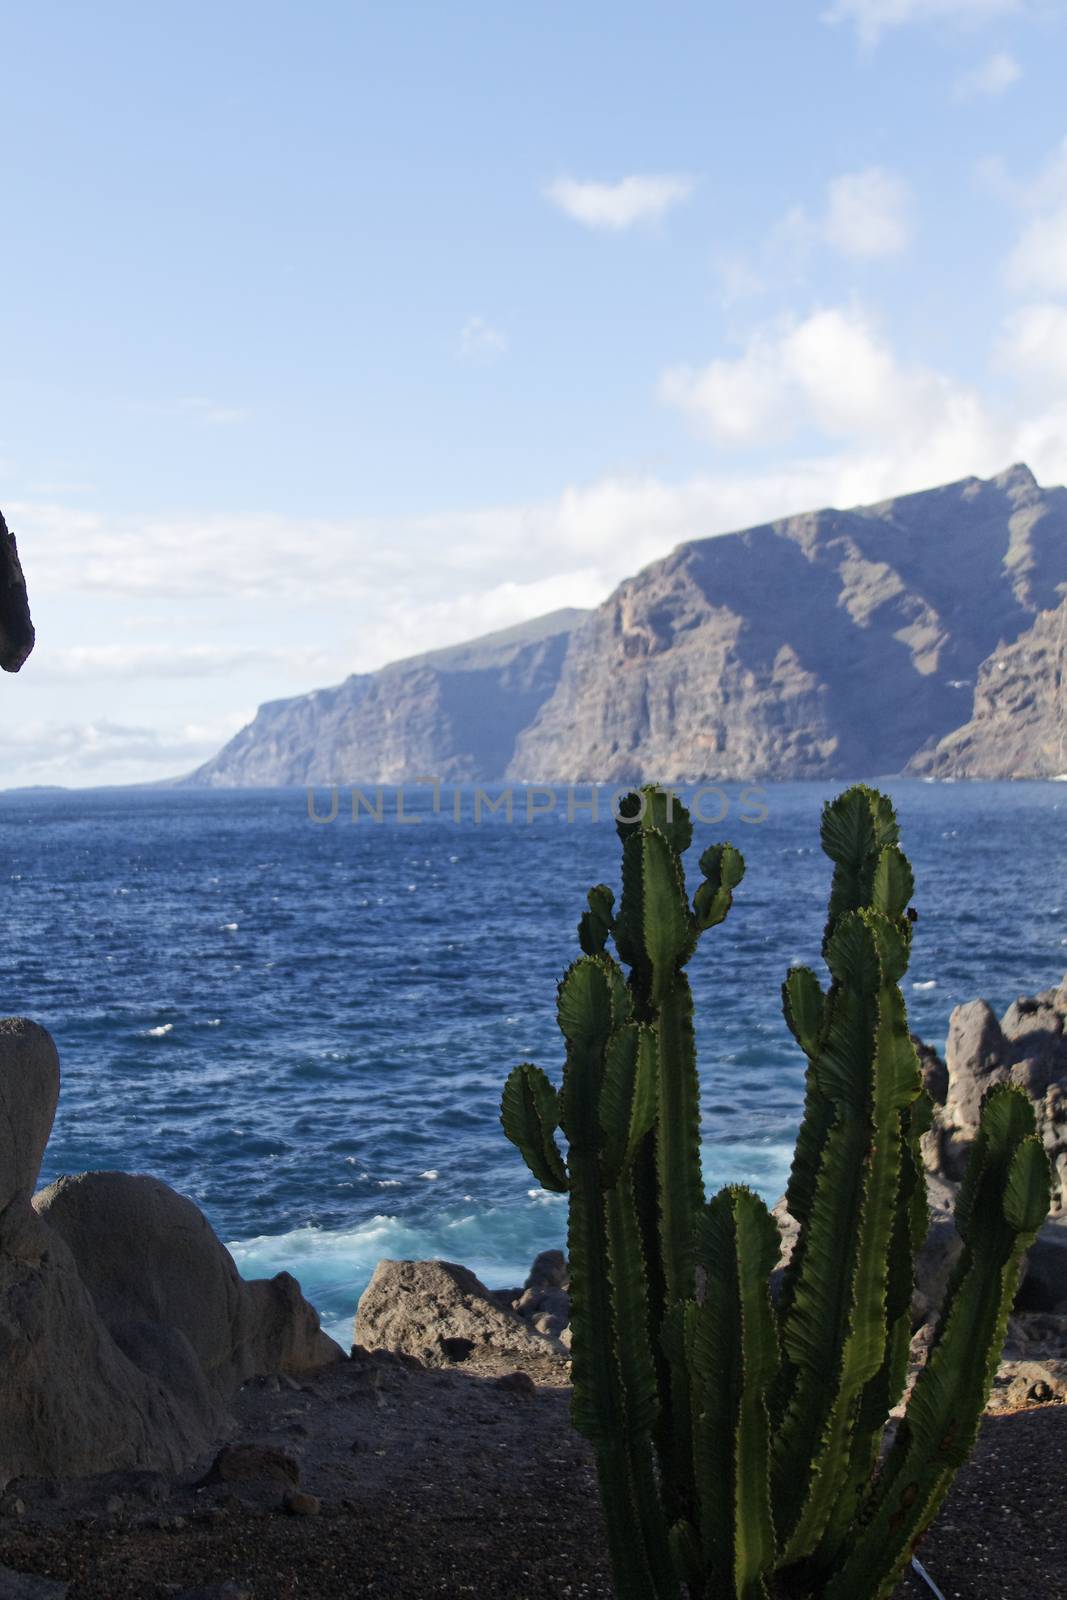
(549, 1271)
(16, 629)
(151, 1260)
(254, 1463)
(440, 1313)
(124, 1327)
(1027, 1047)
(974, 1057)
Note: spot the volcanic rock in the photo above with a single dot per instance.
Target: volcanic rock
(440, 1313)
(16, 629)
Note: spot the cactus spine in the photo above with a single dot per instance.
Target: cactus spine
(737, 1439)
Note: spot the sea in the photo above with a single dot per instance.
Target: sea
(303, 1019)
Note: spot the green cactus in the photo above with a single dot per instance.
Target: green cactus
(737, 1438)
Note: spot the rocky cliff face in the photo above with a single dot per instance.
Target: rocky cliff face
(1019, 724)
(16, 629)
(831, 644)
(453, 714)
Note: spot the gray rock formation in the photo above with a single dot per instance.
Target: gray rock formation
(830, 644)
(124, 1328)
(1018, 727)
(1028, 1046)
(16, 629)
(840, 642)
(440, 1313)
(453, 714)
(151, 1261)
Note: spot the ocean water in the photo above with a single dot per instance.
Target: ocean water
(306, 1025)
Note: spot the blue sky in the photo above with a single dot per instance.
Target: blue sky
(331, 332)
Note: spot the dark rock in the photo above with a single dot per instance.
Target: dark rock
(456, 1349)
(1044, 1285)
(27, 1586)
(298, 1504)
(517, 1383)
(253, 1463)
(16, 628)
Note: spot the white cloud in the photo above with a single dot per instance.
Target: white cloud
(873, 17)
(1034, 344)
(120, 661)
(1038, 263)
(993, 76)
(833, 380)
(44, 752)
(479, 341)
(833, 414)
(1039, 260)
(641, 197)
(868, 214)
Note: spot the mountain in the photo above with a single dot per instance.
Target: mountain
(453, 714)
(1018, 727)
(831, 644)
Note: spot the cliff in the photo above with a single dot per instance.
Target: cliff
(831, 644)
(1019, 724)
(454, 714)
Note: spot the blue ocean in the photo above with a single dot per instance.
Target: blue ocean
(305, 1025)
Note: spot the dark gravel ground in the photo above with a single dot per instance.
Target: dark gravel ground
(449, 1484)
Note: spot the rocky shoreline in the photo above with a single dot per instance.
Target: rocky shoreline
(167, 1429)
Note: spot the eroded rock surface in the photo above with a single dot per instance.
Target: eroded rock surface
(125, 1329)
(440, 1313)
(16, 629)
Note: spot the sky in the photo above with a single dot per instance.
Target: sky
(332, 332)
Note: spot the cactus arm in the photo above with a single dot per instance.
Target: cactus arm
(1002, 1203)
(835, 1333)
(637, 1371)
(596, 923)
(884, 1390)
(529, 1113)
(681, 1188)
(723, 868)
(613, 1399)
(804, 1007)
(734, 1358)
(856, 827)
(628, 1097)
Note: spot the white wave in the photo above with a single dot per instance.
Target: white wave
(158, 1033)
(229, 927)
(333, 1267)
(431, 1173)
(931, 983)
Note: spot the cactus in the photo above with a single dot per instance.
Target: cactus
(737, 1436)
